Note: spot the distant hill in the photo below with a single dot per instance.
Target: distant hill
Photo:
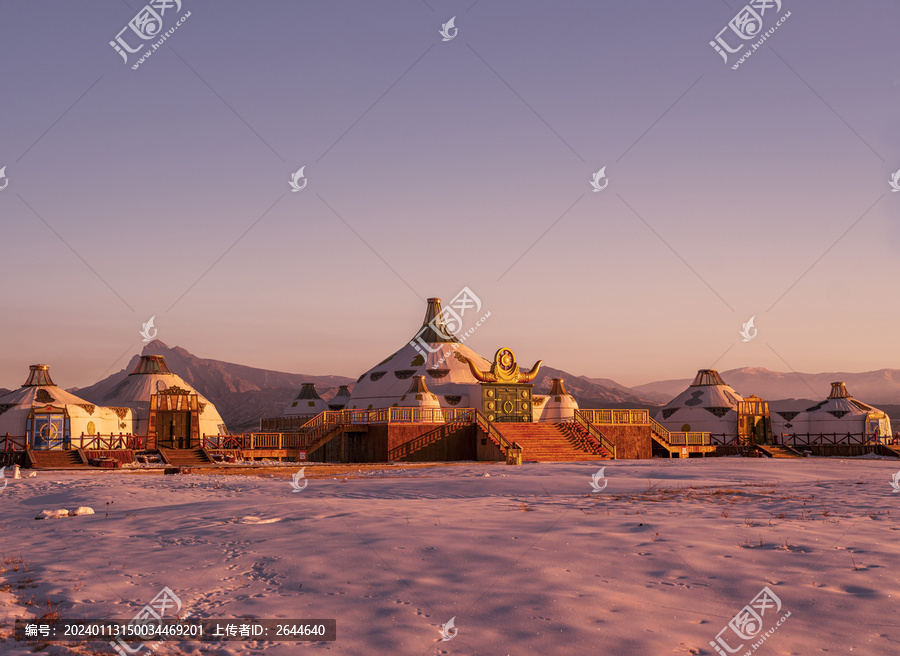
(875, 387)
(593, 392)
(241, 394)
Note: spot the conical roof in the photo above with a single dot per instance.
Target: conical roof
(419, 396)
(433, 352)
(707, 377)
(307, 402)
(339, 400)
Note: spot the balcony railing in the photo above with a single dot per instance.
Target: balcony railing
(627, 416)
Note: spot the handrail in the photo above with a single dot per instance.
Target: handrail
(680, 438)
(617, 416)
(20, 441)
(485, 425)
(604, 441)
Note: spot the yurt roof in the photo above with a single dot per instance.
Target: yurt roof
(707, 391)
(839, 403)
(151, 376)
(433, 352)
(40, 392)
(307, 402)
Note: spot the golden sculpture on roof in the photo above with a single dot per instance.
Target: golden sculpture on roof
(505, 369)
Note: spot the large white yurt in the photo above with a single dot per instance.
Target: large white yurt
(838, 415)
(164, 406)
(52, 418)
(308, 403)
(557, 406)
(709, 405)
(433, 352)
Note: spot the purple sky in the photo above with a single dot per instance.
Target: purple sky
(436, 165)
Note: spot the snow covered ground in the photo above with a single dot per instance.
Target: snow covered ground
(529, 560)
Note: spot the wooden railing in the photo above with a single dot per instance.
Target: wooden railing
(680, 438)
(491, 431)
(252, 441)
(581, 418)
(113, 442)
(14, 442)
(627, 416)
(812, 439)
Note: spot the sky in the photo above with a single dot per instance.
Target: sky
(435, 165)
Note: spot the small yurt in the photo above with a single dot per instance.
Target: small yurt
(419, 397)
(307, 404)
(164, 406)
(339, 400)
(838, 415)
(52, 418)
(709, 405)
(558, 405)
(433, 352)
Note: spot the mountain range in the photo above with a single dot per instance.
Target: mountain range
(244, 394)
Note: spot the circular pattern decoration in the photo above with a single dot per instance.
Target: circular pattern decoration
(524, 394)
(508, 407)
(506, 360)
(91, 428)
(490, 405)
(490, 417)
(490, 394)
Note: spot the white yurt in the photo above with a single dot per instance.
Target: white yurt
(419, 397)
(51, 417)
(840, 414)
(709, 405)
(433, 352)
(164, 405)
(339, 401)
(307, 404)
(558, 405)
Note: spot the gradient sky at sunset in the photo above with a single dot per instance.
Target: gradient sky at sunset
(436, 165)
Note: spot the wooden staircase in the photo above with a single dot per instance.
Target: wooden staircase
(57, 459)
(778, 451)
(185, 457)
(552, 442)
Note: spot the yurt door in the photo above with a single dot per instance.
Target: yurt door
(173, 429)
(49, 431)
